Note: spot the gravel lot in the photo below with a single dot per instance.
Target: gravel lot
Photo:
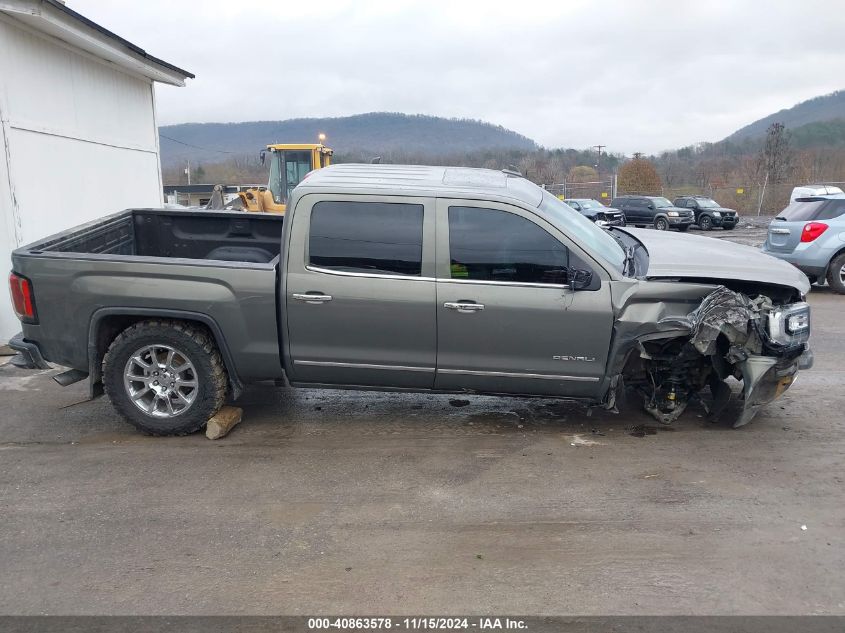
(393, 503)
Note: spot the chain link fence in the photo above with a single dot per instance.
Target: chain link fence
(601, 190)
(747, 199)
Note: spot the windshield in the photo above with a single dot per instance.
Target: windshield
(707, 203)
(582, 231)
(661, 203)
(590, 204)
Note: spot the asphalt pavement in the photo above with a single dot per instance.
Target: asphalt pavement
(360, 503)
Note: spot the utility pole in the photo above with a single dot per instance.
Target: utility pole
(188, 171)
(762, 194)
(599, 148)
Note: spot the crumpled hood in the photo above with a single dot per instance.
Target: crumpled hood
(680, 255)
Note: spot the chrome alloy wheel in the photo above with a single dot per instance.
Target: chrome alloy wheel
(842, 275)
(160, 380)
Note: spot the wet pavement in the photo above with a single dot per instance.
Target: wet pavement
(326, 502)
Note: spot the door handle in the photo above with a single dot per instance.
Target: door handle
(309, 298)
(463, 306)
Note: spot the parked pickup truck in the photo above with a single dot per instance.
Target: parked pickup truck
(388, 277)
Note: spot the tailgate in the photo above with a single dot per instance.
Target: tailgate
(783, 236)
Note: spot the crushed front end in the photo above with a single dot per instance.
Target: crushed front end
(754, 338)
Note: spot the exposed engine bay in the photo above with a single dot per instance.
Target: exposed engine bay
(756, 338)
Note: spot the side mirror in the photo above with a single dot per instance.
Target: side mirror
(262, 155)
(580, 279)
(651, 206)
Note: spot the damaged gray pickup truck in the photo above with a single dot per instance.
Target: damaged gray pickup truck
(388, 277)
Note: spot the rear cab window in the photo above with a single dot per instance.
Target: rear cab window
(367, 237)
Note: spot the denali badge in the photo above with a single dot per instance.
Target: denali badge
(588, 359)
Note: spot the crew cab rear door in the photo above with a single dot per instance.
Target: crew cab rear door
(506, 320)
(360, 291)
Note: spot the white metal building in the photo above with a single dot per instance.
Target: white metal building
(77, 124)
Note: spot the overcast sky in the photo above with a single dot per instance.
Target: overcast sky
(636, 75)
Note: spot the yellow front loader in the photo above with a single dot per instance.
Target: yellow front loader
(289, 163)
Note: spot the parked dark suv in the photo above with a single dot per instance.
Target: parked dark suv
(597, 212)
(654, 211)
(708, 212)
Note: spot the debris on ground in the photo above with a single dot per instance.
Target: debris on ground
(577, 440)
(458, 403)
(223, 422)
(641, 430)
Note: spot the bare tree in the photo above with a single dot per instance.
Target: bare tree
(776, 157)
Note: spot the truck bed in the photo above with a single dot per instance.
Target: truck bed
(219, 268)
(225, 236)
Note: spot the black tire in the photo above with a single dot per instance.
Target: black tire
(684, 228)
(661, 224)
(729, 227)
(836, 274)
(192, 343)
(705, 223)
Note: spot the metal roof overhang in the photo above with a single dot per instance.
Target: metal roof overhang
(56, 20)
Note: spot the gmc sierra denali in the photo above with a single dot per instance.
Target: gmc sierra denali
(389, 277)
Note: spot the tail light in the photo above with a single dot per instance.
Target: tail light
(22, 298)
(812, 230)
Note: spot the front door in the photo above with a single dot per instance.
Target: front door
(506, 320)
(360, 292)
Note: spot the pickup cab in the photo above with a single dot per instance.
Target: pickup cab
(386, 277)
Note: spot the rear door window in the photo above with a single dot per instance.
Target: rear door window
(367, 237)
(494, 245)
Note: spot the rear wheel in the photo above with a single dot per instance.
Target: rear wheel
(661, 224)
(705, 223)
(836, 274)
(165, 377)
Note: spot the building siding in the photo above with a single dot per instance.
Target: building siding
(79, 141)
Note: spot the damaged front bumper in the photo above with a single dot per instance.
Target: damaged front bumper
(765, 379)
(729, 335)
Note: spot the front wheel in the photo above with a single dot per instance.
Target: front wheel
(165, 377)
(836, 274)
(705, 223)
(661, 224)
